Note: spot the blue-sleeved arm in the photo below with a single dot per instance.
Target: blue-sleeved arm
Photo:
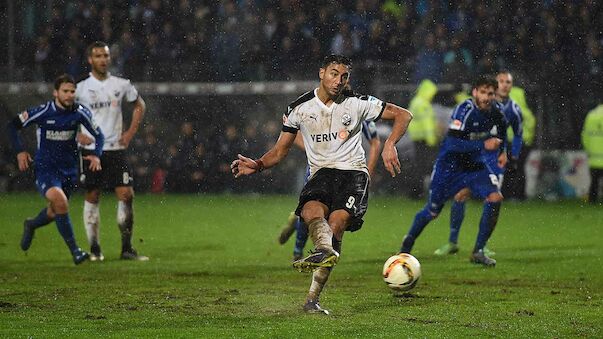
(517, 126)
(459, 145)
(13, 133)
(88, 122)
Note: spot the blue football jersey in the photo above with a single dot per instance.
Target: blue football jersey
(56, 134)
(463, 147)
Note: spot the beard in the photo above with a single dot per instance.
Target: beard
(484, 104)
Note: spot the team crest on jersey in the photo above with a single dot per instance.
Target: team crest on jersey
(23, 116)
(346, 119)
(494, 131)
(456, 124)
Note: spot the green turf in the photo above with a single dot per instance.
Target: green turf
(216, 270)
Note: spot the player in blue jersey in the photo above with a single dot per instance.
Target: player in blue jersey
(56, 160)
(465, 160)
(294, 223)
(513, 118)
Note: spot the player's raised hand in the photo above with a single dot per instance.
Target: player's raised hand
(23, 160)
(95, 163)
(492, 144)
(83, 139)
(125, 139)
(390, 159)
(243, 166)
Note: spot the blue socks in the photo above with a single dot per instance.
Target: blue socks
(40, 220)
(487, 224)
(301, 237)
(421, 220)
(66, 230)
(457, 214)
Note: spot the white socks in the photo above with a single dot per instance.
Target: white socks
(321, 233)
(91, 222)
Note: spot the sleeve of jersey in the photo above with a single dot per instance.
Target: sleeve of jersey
(371, 128)
(456, 144)
(131, 92)
(458, 139)
(90, 125)
(23, 120)
(291, 121)
(517, 127)
(13, 134)
(371, 107)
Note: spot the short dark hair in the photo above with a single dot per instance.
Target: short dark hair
(485, 80)
(503, 71)
(336, 59)
(96, 44)
(63, 79)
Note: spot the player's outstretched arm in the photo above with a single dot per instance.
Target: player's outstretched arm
(246, 166)
(401, 118)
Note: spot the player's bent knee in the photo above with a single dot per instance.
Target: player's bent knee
(495, 197)
(125, 193)
(58, 200)
(462, 195)
(93, 196)
(313, 210)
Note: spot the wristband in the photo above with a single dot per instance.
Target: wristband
(260, 165)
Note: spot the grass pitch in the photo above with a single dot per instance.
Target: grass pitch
(216, 270)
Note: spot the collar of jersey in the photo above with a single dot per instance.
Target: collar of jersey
(320, 103)
(100, 81)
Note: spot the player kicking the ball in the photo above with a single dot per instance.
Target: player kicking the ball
(335, 198)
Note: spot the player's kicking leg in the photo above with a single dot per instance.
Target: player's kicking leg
(338, 220)
(322, 235)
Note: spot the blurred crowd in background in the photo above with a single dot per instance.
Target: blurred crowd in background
(237, 40)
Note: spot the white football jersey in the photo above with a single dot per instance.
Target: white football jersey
(332, 134)
(104, 99)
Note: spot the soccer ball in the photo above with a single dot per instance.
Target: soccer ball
(401, 272)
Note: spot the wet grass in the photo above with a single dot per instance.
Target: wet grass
(216, 270)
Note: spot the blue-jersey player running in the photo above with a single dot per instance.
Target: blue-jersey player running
(56, 160)
(294, 223)
(473, 140)
(513, 117)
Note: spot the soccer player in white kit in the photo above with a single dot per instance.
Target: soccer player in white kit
(336, 196)
(104, 93)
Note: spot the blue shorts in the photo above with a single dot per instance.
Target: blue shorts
(46, 180)
(446, 182)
